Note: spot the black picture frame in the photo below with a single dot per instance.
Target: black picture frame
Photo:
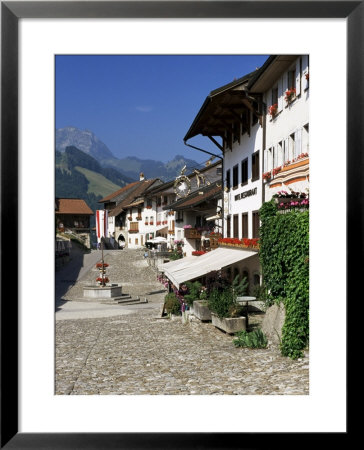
(11, 12)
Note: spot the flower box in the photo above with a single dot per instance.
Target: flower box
(198, 253)
(201, 310)
(230, 325)
(272, 110)
(251, 244)
(290, 95)
(139, 218)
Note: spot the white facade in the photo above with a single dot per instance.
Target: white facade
(246, 195)
(287, 132)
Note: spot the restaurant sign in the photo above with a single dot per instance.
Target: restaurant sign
(245, 194)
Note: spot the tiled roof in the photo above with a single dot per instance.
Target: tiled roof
(118, 192)
(72, 206)
(137, 192)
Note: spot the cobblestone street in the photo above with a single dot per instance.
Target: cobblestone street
(131, 350)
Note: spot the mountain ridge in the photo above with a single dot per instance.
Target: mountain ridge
(129, 166)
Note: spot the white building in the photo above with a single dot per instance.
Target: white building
(130, 218)
(284, 80)
(260, 123)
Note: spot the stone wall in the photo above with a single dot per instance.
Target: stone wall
(273, 322)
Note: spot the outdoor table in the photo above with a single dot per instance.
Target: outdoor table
(246, 300)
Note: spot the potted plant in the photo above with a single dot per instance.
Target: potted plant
(290, 94)
(272, 110)
(226, 313)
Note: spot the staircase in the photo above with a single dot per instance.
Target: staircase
(124, 299)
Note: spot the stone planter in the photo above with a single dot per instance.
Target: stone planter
(201, 310)
(229, 324)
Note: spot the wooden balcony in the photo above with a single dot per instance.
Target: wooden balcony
(192, 233)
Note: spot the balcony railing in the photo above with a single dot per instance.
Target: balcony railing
(192, 233)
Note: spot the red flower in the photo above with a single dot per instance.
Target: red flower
(272, 110)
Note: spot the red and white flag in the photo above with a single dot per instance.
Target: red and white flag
(101, 223)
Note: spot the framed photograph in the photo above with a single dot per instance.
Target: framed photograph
(32, 33)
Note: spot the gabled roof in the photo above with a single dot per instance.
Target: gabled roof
(72, 206)
(134, 195)
(197, 197)
(111, 197)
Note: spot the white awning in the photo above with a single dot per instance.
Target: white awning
(183, 262)
(198, 266)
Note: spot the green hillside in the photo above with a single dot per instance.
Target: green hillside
(98, 184)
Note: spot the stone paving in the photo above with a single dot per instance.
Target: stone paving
(136, 352)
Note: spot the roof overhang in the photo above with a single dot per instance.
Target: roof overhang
(269, 72)
(224, 109)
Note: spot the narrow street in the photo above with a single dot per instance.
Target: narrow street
(115, 349)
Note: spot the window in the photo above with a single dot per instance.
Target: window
(255, 166)
(275, 156)
(292, 145)
(285, 150)
(291, 79)
(280, 154)
(235, 176)
(236, 226)
(228, 225)
(159, 201)
(256, 279)
(255, 224)
(134, 226)
(244, 171)
(179, 216)
(275, 96)
(244, 225)
(228, 181)
(305, 139)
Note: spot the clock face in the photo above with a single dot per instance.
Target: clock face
(182, 187)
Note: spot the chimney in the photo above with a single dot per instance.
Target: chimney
(141, 176)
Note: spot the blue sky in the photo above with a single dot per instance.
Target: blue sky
(143, 105)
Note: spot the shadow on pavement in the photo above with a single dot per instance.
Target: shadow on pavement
(66, 276)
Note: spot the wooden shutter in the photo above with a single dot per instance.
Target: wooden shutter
(286, 150)
(304, 72)
(280, 94)
(265, 161)
(298, 142)
(298, 76)
(285, 83)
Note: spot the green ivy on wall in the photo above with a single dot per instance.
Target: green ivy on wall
(284, 257)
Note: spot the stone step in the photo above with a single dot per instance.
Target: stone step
(131, 301)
